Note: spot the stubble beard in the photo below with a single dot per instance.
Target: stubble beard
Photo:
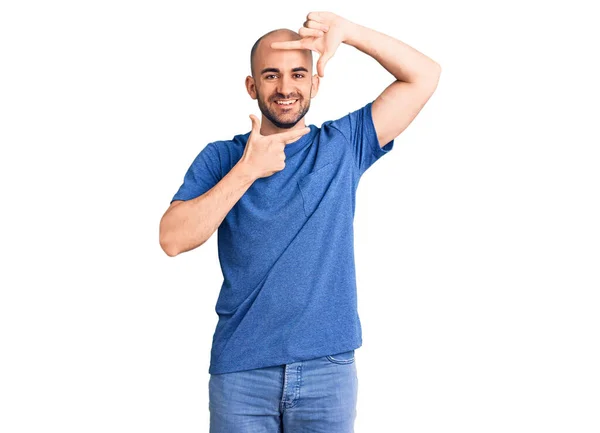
(270, 113)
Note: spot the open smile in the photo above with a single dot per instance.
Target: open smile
(286, 103)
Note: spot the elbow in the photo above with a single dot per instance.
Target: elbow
(173, 242)
(166, 242)
(166, 238)
(168, 247)
(431, 78)
(170, 252)
(173, 249)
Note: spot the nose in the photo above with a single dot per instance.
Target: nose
(285, 86)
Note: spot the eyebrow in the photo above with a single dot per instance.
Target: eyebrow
(298, 69)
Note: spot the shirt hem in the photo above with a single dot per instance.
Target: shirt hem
(215, 369)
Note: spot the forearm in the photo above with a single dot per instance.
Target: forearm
(399, 59)
(191, 223)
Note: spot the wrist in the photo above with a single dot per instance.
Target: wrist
(350, 31)
(244, 171)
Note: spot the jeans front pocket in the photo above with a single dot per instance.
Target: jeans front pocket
(342, 358)
(314, 185)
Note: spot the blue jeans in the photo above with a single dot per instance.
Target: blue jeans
(316, 395)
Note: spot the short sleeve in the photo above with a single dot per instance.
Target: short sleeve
(359, 130)
(202, 175)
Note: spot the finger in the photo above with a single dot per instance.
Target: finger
(304, 32)
(317, 16)
(322, 62)
(289, 45)
(255, 125)
(311, 24)
(288, 137)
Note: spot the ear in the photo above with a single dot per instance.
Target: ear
(251, 87)
(316, 81)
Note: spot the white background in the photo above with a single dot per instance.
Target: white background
(477, 239)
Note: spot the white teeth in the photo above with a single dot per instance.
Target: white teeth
(286, 102)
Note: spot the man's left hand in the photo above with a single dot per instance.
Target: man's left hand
(323, 32)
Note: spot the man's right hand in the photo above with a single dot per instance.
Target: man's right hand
(264, 154)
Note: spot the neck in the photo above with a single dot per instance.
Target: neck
(267, 127)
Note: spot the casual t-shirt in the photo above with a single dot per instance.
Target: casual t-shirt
(286, 247)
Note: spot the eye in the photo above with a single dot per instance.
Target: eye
(267, 77)
(300, 75)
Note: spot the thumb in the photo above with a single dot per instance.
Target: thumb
(255, 124)
(322, 62)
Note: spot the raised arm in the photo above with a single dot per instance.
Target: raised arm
(416, 74)
(416, 79)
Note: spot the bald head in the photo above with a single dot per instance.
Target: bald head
(262, 47)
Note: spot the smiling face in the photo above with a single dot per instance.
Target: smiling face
(281, 81)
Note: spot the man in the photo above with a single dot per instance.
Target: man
(282, 197)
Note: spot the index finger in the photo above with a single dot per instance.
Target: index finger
(290, 136)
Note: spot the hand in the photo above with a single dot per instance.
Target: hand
(264, 154)
(323, 32)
